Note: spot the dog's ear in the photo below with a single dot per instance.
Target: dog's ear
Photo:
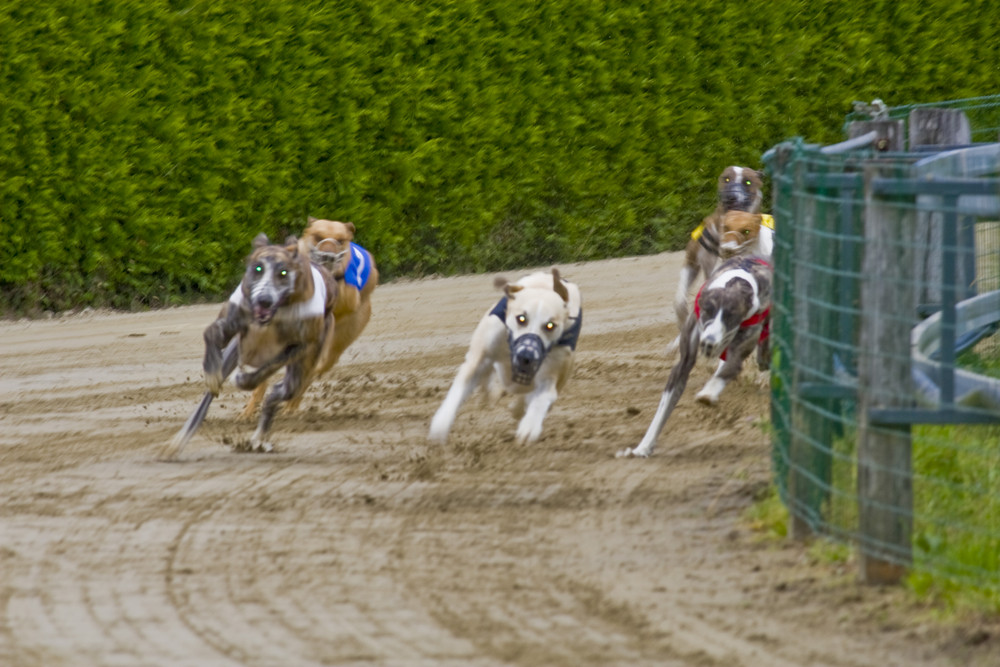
(260, 241)
(310, 219)
(558, 286)
(350, 228)
(508, 289)
(292, 245)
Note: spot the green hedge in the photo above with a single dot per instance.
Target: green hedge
(143, 143)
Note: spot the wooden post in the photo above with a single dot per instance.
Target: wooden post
(885, 485)
(938, 128)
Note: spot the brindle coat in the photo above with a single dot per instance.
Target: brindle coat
(282, 317)
(730, 319)
(739, 189)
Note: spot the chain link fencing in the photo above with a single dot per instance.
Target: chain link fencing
(886, 369)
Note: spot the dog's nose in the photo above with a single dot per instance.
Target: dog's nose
(264, 301)
(735, 197)
(709, 344)
(525, 359)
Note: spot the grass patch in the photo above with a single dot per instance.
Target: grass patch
(956, 513)
(768, 515)
(956, 533)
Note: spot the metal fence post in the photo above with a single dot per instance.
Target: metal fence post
(888, 302)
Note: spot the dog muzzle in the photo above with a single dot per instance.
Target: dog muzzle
(527, 353)
(326, 258)
(736, 198)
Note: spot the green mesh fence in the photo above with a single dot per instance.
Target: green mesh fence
(885, 382)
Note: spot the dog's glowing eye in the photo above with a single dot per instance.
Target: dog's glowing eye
(550, 326)
(521, 319)
(284, 273)
(727, 179)
(747, 181)
(258, 268)
(746, 232)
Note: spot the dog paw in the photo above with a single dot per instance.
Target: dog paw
(523, 439)
(213, 383)
(252, 447)
(631, 453)
(706, 398)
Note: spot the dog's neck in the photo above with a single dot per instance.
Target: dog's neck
(305, 284)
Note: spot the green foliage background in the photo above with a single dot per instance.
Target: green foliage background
(143, 143)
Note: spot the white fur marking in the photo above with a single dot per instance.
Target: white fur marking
(766, 241)
(316, 306)
(266, 282)
(723, 279)
(714, 331)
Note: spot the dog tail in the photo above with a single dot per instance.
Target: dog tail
(230, 357)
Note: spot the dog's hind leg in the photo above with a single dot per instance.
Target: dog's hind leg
(688, 274)
(254, 402)
(676, 383)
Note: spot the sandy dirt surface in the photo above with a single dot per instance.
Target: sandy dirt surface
(357, 543)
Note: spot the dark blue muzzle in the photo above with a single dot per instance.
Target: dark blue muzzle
(527, 353)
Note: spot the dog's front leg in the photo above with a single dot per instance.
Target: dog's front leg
(529, 429)
(676, 383)
(217, 335)
(471, 374)
(251, 379)
(281, 392)
(764, 349)
(726, 371)
(488, 337)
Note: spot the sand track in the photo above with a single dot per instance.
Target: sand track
(357, 543)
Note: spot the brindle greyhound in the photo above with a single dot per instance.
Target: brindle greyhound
(731, 318)
(280, 316)
(330, 243)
